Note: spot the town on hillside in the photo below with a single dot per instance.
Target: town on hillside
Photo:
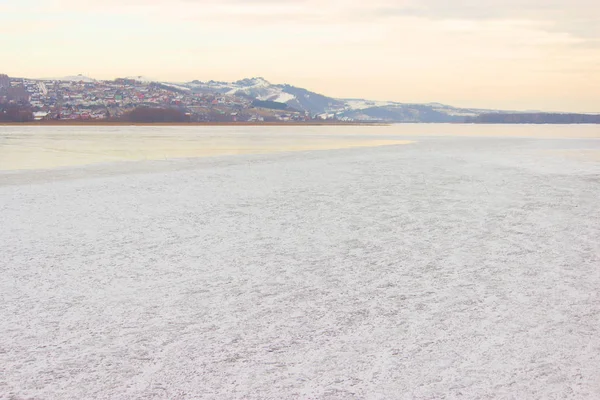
(82, 99)
(139, 100)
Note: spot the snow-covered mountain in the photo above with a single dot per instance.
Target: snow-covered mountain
(351, 109)
(73, 78)
(407, 112)
(261, 89)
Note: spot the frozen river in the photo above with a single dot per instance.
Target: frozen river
(410, 261)
(46, 147)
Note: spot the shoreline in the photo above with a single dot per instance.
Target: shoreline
(122, 123)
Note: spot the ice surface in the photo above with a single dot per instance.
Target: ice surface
(452, 267)
(49, 147)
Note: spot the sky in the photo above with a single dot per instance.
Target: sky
(508, 54)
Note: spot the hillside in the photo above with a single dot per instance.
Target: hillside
(320, 105)
(247, 100)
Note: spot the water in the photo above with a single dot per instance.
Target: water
(27, 147)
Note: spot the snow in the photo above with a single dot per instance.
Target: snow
(457, 266)
(261, 83)
(457, 112)
(174, 86)
(360, 104)
(208, 85)
(143, 79)
(248, 85)
(284, 97)
(255, 83)
(260, 88)
(43, 89)
(277, 95)
(75, 78)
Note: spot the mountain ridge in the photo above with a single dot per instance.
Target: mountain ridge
(330, 107)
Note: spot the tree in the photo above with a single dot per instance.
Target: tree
(15, 113)
(152, 115)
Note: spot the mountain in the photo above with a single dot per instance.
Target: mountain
(246, 100)
(346, 109)
(535, 118)
(75, 78)
(260, 93)
(407, 112)
(261, 89)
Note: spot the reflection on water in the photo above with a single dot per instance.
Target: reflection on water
(41, 147)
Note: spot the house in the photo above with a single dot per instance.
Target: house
(40, 115)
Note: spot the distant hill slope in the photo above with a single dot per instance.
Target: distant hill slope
(348, 109)
(535, 118)
(75, 78)
(261, 89)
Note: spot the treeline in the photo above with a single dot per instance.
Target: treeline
(20, 113)
(535, 118)
(150, 114)
(15, 113)
(273, 105)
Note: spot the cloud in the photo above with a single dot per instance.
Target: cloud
(576, 17)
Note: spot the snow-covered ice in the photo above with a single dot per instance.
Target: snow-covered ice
(451, 267)
(44, 147)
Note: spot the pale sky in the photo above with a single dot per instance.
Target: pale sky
(509, 54)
